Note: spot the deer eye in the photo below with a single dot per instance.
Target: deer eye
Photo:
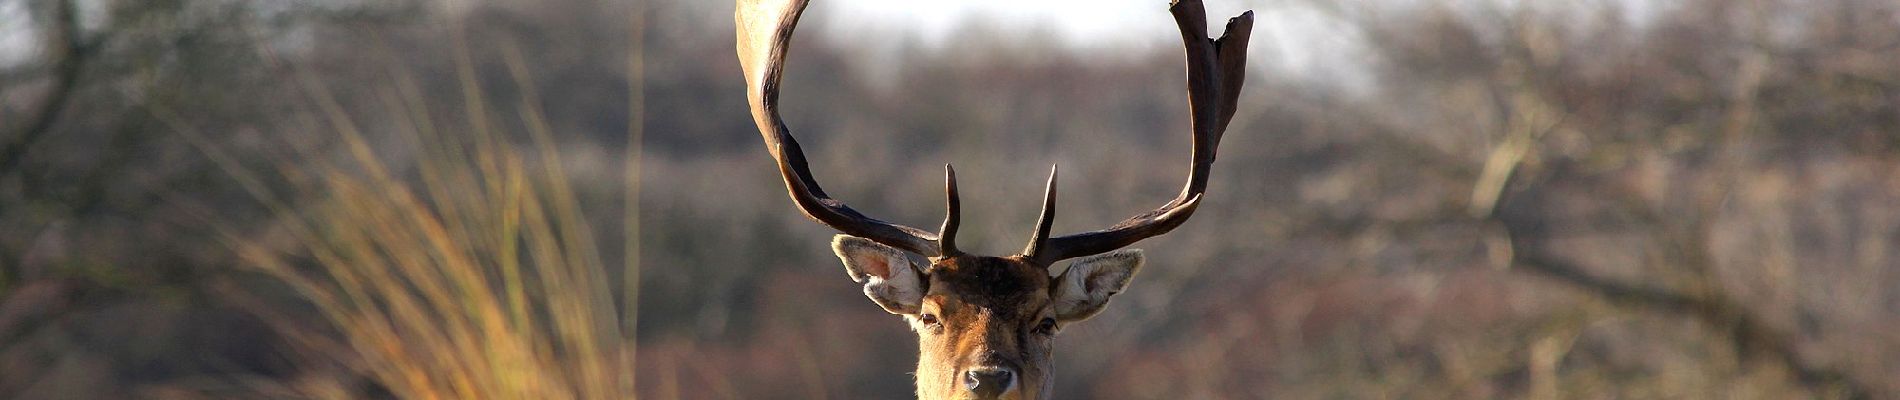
(930, 323)
(1047, 327)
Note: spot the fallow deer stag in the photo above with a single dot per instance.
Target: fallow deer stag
(986, 325)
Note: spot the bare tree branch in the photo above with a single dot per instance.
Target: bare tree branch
(1754, 338)
(70, 54)
(1704, 299)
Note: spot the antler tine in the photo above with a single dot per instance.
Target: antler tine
(953, 210)
(1216, 69)
(1045, 219)
(764, 37)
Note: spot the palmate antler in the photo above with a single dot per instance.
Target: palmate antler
(765, 34)
(1216, 69)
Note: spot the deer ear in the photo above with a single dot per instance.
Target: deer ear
(1083, 290)
(889, 278)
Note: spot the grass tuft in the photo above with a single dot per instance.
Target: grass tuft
(472, 275)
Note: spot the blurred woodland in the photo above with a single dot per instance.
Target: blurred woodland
(420, 199)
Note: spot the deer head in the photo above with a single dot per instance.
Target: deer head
(986, 325)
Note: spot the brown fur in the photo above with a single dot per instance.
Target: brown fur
(988, 309)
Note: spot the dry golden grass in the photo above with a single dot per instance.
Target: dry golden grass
(477, 287)
(474, 277)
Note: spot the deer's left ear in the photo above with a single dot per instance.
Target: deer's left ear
(1084, 289)
(889, 278)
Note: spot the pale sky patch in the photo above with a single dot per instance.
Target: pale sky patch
(1288, 36)
(17, 44)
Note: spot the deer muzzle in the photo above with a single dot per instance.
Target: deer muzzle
(989, 382)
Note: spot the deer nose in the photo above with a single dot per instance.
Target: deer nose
(989, 382)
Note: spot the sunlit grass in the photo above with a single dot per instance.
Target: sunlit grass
(471, 274)
(473, 292)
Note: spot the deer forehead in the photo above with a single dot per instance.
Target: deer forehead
(989, 283)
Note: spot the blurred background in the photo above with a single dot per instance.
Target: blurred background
(1421, 199)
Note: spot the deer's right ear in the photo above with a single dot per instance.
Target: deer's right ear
(889, 278)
